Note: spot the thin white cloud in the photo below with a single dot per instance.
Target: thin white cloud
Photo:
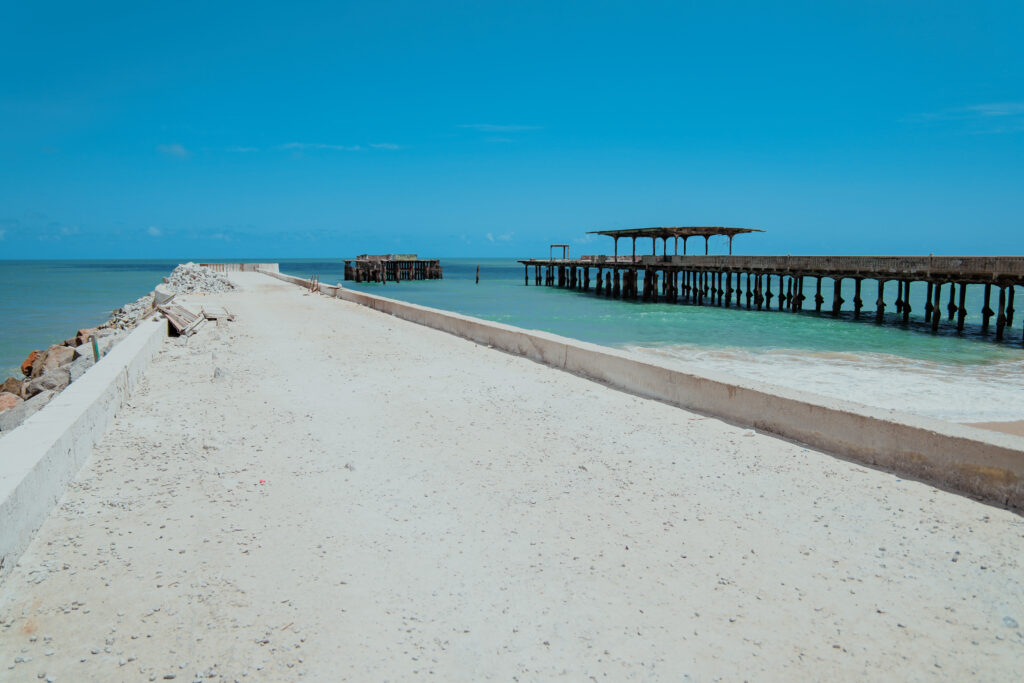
(319, 145)
(504, 237)
(385, 145)
(154, 231)
(997, 109)
(497, 128)
(173, 150)
(991, 117)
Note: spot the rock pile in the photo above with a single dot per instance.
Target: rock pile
(192, 278)
(129, 315)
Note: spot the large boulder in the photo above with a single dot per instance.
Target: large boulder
(12, 385)
(53, 357)
(84, 335)
(26, 365)
(9, 400)
(105, 340)
(9, 419)
(53, 380)
(80, 365)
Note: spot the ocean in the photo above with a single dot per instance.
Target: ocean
(945, 375)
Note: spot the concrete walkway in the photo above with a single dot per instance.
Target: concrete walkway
(323, 491)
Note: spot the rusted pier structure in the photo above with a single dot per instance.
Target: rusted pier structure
(790, 283)
(392, 268)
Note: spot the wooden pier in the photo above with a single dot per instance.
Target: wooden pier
(392, 268)
(790, 283)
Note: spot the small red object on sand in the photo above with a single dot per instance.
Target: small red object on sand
(263, 481)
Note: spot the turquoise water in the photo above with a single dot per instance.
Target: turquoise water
(891, 365)
(502, 296)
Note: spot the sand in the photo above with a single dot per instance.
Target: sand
(319, 490)
(1015, 427)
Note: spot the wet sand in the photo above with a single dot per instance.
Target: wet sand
(323, 490)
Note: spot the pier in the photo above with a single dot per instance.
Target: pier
(789, 283)
(392, 268)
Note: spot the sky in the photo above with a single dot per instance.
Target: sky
(291, 130)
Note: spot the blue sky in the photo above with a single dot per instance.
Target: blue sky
(491, 129)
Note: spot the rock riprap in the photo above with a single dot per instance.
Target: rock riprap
(50, 371)
(192, 278)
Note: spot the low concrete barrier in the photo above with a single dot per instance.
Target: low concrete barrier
(977, 462)
(40, 457)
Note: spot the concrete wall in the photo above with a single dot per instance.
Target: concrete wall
(977, 462)
(41, 456)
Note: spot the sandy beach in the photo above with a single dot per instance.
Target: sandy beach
(320, 490)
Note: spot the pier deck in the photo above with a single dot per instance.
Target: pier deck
(748, 281)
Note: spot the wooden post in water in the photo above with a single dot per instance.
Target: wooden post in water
(962, 311)
(818, 298)
(1001, 314)
(928, 307)
(986, 311)
(750, 292)
(768, 291)
(880, 302)
(858, 303)
(907, 308)
(951, 308)
(936, 307)
(1009, 305)
(526, 275)
(837, 298)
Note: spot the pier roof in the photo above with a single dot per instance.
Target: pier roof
(680, 231)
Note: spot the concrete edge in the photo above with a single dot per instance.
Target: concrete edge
(42, 455)
(987, 465)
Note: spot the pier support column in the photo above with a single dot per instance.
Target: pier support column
(962, 310)
(1009, 305)
(928, 306)
(597, 284)
(986, 311)
(818, 298)
(858, 303)
(728, 289)
(800, 293)
(951, 307)
(758, 295)
(1001, 314)
(750, 292)
(880, 302)
(899, 296)
(616, 289)
(937, 306)
(907, 308)
(768, 291)
(837, 295)
(789, 294)
(526, 275)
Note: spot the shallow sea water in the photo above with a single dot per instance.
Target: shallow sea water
(943, 375)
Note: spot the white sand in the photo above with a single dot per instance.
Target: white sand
(434, 507)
